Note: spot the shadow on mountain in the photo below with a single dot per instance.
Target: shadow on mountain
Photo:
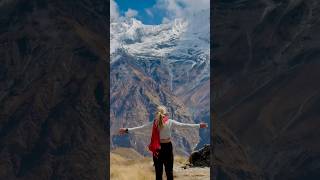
(265, 86)
(52, 89)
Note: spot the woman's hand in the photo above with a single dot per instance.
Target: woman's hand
(203, 125)
(123, 131)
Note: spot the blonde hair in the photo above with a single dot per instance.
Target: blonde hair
(161, 112)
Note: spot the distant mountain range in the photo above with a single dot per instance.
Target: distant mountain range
(160, 64)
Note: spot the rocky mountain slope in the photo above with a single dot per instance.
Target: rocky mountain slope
(52, 89)
(265, 83)
(160, 64)
(134, 97)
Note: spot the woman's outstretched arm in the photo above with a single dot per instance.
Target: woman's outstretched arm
(187, 125)
(136, 129)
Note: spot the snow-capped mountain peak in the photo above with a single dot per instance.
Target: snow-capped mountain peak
(182, 44)
(139, 39)
(180, 36)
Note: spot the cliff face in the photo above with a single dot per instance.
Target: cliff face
(266, 64)
(52, 89)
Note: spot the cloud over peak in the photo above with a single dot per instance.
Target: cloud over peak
(114, 11)
(131, 13)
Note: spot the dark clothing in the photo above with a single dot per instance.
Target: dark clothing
(165, 157)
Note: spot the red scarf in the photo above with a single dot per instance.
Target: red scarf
(155, 137)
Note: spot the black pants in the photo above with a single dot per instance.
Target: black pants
(165, 157)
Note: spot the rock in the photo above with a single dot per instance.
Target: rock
(201, 157)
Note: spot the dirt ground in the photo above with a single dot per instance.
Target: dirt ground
(127, 164)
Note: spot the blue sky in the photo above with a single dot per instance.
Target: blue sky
(141, 7)
(156, 11)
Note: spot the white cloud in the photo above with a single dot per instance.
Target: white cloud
(172, 9)
(149, 12)
(131, 13)
(114, 12)
(165, 20)
(181, 8)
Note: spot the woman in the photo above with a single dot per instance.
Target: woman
(160, 145)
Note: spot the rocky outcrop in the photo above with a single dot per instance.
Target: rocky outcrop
(53, 82)
(201, 157)
(266, 63)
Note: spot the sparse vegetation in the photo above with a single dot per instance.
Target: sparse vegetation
(127, 164)
(122, 168)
